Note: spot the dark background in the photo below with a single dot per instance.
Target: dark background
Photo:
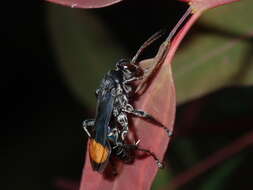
(41, 136)
(42, 142)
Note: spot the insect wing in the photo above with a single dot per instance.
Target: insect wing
(104, 113)
(99, 147)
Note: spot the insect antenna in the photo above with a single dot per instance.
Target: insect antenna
(179, 23)
(149, 41)
(160, 33)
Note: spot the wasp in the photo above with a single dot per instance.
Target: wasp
(109, 129)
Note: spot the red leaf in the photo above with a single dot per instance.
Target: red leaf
(87, 4)
(66, 184)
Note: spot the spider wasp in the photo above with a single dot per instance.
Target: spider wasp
(109, 129)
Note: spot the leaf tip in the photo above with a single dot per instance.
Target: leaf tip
(202, 5)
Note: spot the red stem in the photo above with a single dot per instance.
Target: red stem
(180, 36)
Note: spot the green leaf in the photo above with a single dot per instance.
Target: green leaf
(218, 54)
(84, 49)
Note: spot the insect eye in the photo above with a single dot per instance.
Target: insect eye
(122, 64)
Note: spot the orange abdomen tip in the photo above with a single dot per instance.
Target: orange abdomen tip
(98, 152)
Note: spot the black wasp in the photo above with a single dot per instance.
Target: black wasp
(110, 127)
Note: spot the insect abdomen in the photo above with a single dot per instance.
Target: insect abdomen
(99, 154)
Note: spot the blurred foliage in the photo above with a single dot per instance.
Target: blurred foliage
(218, 52)
(57, 57)
(84, 48)
(163, 177)
(218, 179)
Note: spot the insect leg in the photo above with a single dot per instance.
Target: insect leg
(97, 92)
(123, 121)
(158, 162)
(147, 116)
(132, 79)
(148, 152)
(88, 123)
